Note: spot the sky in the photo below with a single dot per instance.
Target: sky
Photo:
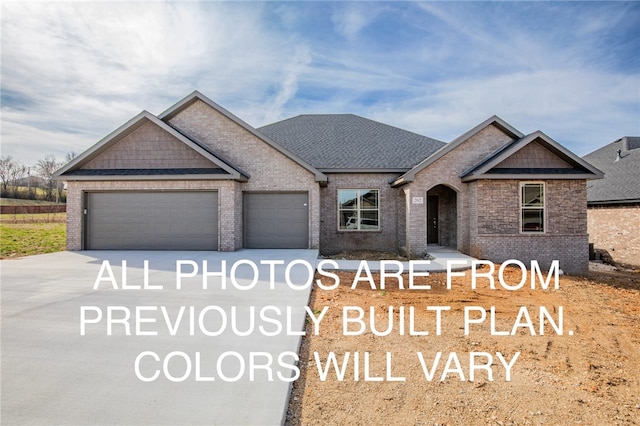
(72, 72)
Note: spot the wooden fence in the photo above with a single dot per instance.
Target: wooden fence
(55, 208)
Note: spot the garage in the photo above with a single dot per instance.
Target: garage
(151, 220)
(276, 220)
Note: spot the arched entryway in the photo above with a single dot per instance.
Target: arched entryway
(442, 216)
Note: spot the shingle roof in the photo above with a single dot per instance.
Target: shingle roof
(347, 141)
(621, 181)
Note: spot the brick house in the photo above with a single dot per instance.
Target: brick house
(197, 177)
(613, 203)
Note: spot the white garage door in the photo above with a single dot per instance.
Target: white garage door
(151, 221)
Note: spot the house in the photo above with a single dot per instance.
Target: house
(196, 177)
(613, 203)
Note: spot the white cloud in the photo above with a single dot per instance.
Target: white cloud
(565, 104)
(350, 18)
(289, 84)
(88, 67)
(74, 71)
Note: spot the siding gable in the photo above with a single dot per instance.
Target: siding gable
(148, 147)
(534, 155)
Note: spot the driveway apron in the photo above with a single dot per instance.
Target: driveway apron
(72, 354)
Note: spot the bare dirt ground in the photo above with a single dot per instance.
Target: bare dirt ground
(590, 374)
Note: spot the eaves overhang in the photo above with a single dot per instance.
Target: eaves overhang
(485, 169)
(149, 177)
(65, 173)
(529, 176)
(363, 170)
(624, 202)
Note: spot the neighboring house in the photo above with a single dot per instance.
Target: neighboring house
(197, 177)
(614, 202)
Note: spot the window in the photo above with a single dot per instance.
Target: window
(532, 207)
(358, 210)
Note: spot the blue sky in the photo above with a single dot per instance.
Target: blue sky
(74, 71)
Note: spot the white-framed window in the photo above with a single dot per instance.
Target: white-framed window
(532, 217)
(358, 209)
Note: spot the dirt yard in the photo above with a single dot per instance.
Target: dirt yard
(585, 371)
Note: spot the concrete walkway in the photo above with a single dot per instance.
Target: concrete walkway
(186, 374)
(441, 256)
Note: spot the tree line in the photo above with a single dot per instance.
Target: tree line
(35, 182)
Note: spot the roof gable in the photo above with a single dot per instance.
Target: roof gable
(147, 136)
(495, 121)
(350, 143)
(533, 156)
(621, 183)
(197, 96)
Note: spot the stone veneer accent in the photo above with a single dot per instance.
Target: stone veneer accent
(147, 147)
(614, 229)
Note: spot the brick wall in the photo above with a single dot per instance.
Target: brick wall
(446, 171)
(572, 251)
(269, 169)
(147, 146)
(498, 236)
(488, 211)
(615, 230)
(391, 205)
(227, 207)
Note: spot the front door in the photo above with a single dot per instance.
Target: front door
(432, 220)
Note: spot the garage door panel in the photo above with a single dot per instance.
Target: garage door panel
(152, 221)
(276, 220)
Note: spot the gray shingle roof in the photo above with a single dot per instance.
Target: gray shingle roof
(347, 141)
(621, 181)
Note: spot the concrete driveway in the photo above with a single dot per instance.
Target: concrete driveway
(150, 356)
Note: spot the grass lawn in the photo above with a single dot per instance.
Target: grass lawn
(20, 202)
(25, 239)
(33, 217)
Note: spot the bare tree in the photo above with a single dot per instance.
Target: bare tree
(6, 165)
(70, 156)
(11, 172)
(15, 178)
(46, 168)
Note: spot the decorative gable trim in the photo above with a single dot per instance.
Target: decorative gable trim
(70, 170)
(196, 95)
(496, 121)
(577, 168)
